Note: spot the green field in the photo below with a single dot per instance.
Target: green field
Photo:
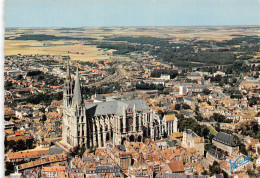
(212, 130)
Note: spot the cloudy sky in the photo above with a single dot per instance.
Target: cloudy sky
(80, 13)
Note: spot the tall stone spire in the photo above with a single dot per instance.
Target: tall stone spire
(68, 69)
(77, 99)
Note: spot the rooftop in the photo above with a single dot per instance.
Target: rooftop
(227, 139)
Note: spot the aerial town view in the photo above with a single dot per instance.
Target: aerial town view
(132, 101)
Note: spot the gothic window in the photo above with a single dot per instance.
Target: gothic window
(130, 124)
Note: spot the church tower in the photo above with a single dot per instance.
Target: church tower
(79, 113)
(68, 89)
(74, 128)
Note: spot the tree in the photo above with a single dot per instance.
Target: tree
(9, 145)
(74, 151)
(160, 113)
(204, 172)
(19, 77)
(206, 91)
(9, 168)
(82, 150)
(186, 106)
(250, 128)
(177, 107)
(253, 101)
(34, 73)
(217, 127)
(8, 85)
(20, 145)
(251, 173)
(197, 109)
(43, 119)
(192, 124)
(29, 143)
(250, 149)
(204, 131)
(199, 118)
(42, 110)
(215, 168)
(218, 117)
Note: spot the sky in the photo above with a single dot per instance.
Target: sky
(89, 13)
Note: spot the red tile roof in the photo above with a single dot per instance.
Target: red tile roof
(176, 166)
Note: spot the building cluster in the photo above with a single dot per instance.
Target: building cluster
(129, 132)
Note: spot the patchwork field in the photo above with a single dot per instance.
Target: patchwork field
(78, 51)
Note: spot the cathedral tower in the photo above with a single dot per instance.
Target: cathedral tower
(68, 89)
(74, 116)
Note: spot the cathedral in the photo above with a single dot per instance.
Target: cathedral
(94, 125)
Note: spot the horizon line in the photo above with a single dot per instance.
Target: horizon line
(140, 26)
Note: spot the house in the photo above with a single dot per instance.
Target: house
(192, 140)
(165, 77)
(214, 155)
(8, 125)
(226, 142)
(52, 172)
(194, 76)
(176, 167)
(222, 74)
(27, 155)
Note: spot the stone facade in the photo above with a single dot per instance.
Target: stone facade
(171, 123)
(192, 140)
(226, 142)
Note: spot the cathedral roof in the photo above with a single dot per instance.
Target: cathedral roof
(115, 107)
(170, 117)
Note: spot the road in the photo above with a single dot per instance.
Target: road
(119, 74)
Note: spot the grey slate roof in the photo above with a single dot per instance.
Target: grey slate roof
(216, 153)
(226, 139)
(190, 132)
(179, 100)
(56, 150)
(126, 95)
(121, 147)
(114, 107)
(171, 143)
(100, 97)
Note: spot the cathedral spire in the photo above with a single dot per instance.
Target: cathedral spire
(77, 99)
(68, 70)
